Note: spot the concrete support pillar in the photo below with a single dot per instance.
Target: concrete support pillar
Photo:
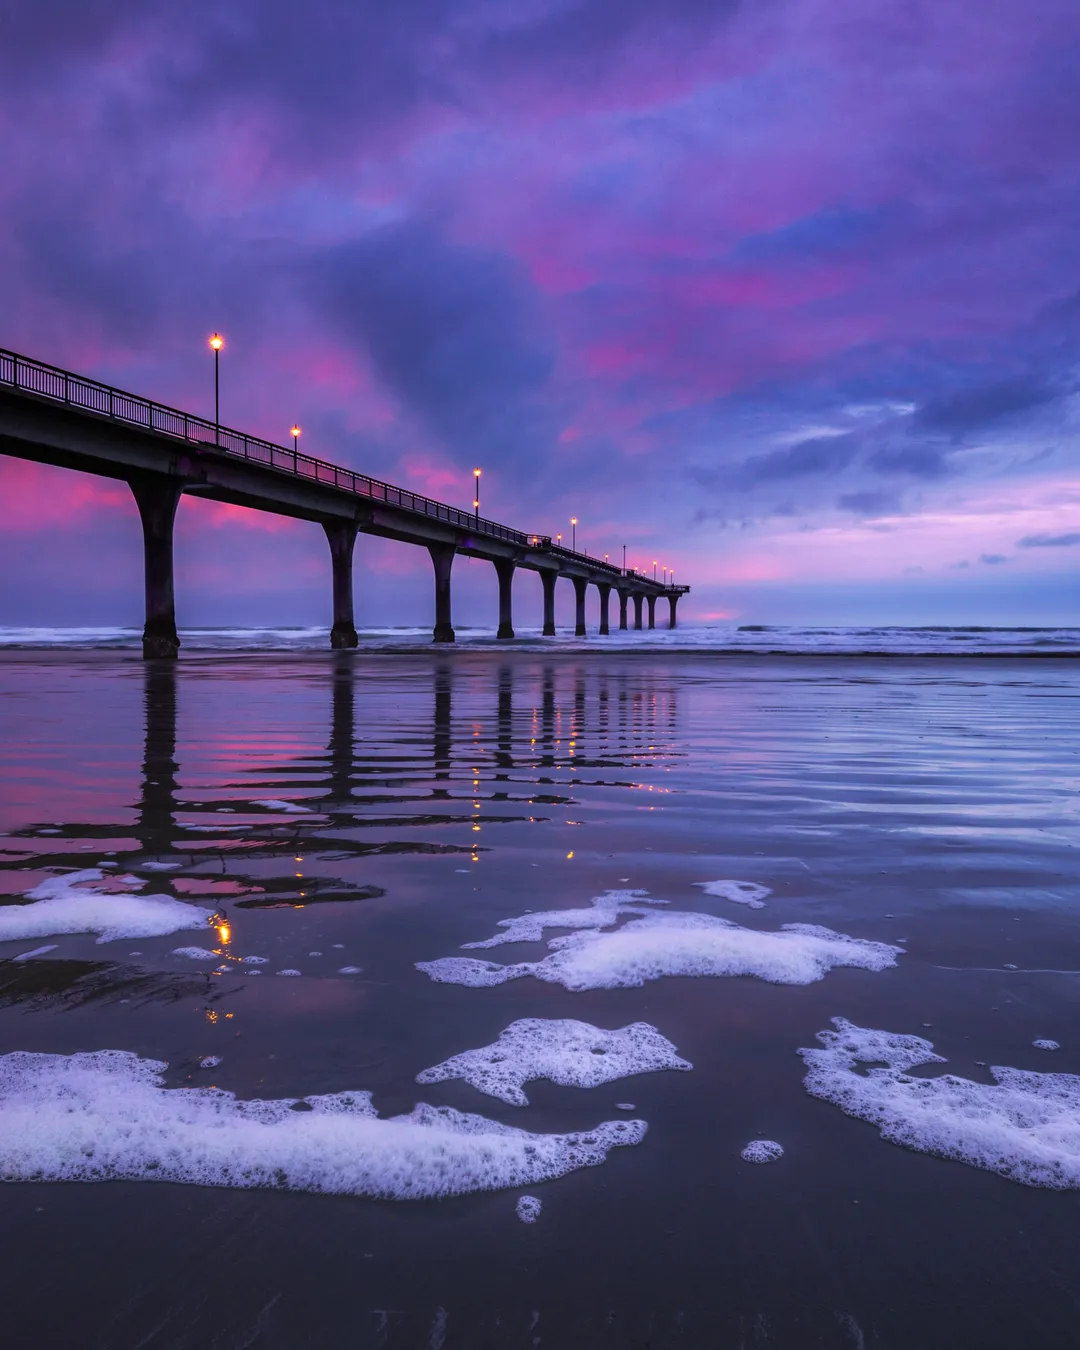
(605, 596)
(581, 585)
(652, 611)
(442, 558)
(624, 596)
(672, 600)
(549, 579)
(341, 536)
(156, 496)
(638, 597)
(505, 573)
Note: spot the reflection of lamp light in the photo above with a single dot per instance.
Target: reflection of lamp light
(216, 343)
(294, 432)
(224, 933)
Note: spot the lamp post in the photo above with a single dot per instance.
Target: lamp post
(558, 538)
(294, 432)
(624, 557)
(216, 343)
(573, 536)
(476, 495)
(654, 569)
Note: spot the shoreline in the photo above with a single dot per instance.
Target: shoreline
(17, 654)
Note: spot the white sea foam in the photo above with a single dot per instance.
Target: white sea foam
(195, 953)
(602, 912)
(1046, 1045)
(1025, 1125)
(572, 1054)
(106, 1116)
(159, 866)
(209, 1061)
(71, 903)
(739, 892)
(290, 808)
(256, 960)
(656, 945)
(350, 970)
(762, 1151)
(289, 972)
(38, 951)
(528, 1208)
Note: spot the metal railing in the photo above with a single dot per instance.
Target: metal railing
(76, 391)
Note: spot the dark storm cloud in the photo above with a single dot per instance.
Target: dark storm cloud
(452, 333)
(1050, 540)
(917, 461)
(581, 39)
(872, 502)
(984, 405)
(815, 455)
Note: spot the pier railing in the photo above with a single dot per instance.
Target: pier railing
(77, 391)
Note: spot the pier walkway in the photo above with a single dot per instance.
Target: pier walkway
(54, 416)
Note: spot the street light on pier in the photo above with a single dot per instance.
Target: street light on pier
(573, 536)
(558, 538)
(624, 557)
(654, 569)
(216, 344)
(294, 432)
(476, 496)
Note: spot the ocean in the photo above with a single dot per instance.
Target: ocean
(706, 988)
(716, 638)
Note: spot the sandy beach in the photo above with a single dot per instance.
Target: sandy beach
(346, 818)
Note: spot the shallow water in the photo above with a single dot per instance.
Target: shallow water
(924, 800)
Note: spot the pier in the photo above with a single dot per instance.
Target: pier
(54, 416)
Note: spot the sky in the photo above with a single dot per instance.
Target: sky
(784, 294)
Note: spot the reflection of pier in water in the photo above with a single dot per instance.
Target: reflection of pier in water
(499, 744)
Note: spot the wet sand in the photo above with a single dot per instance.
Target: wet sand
(925, 800)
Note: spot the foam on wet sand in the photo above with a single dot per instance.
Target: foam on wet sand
(601, 912)
(762, 1151)
(528, 1208)
(89, 902)
(1024, 1126)
(738, 892)
(106, 1116)
(672, 943)
(569, 1053)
